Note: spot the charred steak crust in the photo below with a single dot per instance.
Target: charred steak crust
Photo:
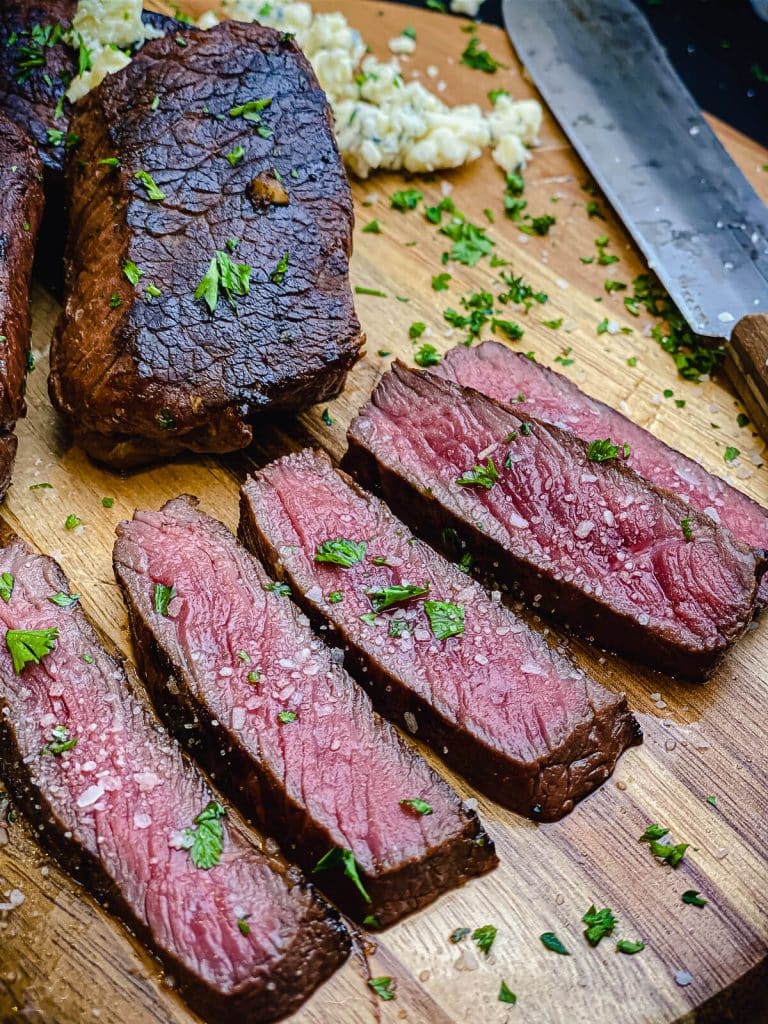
(322, 780)
(34, 75)
(500, 373)
(108, 829)
(679, 612)
(141, 376)
(21, 208)
(517, 719)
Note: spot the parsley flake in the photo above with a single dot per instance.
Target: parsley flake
(484, 937)
(417, 805)
(29, 646)
(506, 995)
(341, 551)
(154, 193)
(339, 857)
(163, 597)
(6, 586)
(222, 273)
(480, 476)
(382, 987)
(61, 741)
(386, 597)
(629, 947)
(694, 898)
(599, 924)
(206, 842)
(445, 619)
(551, 942)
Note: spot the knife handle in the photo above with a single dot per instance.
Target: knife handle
(746, 366)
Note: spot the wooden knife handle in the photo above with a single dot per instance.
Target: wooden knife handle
(746, 366)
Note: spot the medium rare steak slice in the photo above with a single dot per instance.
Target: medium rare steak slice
(576, 530)
(21, 208)
(518, 719)
(207, 267)
(36, 67)
(500, 373)
(281, 724)
(116, 801)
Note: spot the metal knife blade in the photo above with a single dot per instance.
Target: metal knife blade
(699, 223)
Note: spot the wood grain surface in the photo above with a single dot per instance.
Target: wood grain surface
(63, 960)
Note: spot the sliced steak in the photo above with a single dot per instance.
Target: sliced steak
(510, 377)
(21, 209)
(591, 542)
(144, 370)
(35, 71)
(282, 726)
(116, 801)
(518, 719)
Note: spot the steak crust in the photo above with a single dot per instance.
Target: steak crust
(21, 209)
(140, 376)
(113, 809)
(514, 716)
(631, 567)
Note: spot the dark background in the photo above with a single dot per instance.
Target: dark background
(719, 47)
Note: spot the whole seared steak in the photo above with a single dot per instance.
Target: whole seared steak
(114, 798)
(488, 694)
(21, 208)
(280, 724)
(207, 267)
(510, 377)
(576, 530)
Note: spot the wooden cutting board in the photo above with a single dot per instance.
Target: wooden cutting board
(62, 959)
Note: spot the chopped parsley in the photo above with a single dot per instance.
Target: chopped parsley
(445, 619)
(235, 155)
(538, 225)
(206, 842)
(477, 59)
(614, 286)
(56, 137)
(555, 325)
(685, 525)
(629, 947)
(281, 589)
(386, 597)
(602, 451)
(427, 355)
(564, 358)
(243, 926)
(484, 937)
(345, 859)
(372, 228)
(29, 646)
(115, 301)
(653, 832)
(470, 243)
(278, 274)
(341, 551)
(694, 898)
(154, 193)
(61, 741)
(382, 987)
(599, 924)
(397, 627)
(326, 417)
(731, 454)
(251, 112)
(406, 199)
(506, 995)
(233, 279)
(440, 282)
(550, 941)
(64, 600)
(480, 476)
(132, 272)
(712, 801)
(416, 330)
(417, 805)
(163, 597)
(668, 853)
(31, 53)
(375, 292)
(6, 586)
(458, 934)
(335, 597)
(284, 717)
(72, 521)
(509, 327)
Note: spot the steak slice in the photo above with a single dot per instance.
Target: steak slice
(35, 71)
(114, 799)
(140, 375)
(21, 209)
(281, 724)
(500, 373)
(592, 542)
(515, 717)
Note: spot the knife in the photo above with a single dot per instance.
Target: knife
(700, 225)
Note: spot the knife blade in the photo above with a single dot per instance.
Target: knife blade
(698, 222)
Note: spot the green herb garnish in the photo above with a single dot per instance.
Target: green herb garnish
(61, 741)
(64, 600)
(694, 898)
(163, 597)
(6, 586)
(480, 476)
(406, 199)
(484, 937)
(506, 995)
(629, 947)
(153, 192)
(386, 597)
(345, 859)
(341, 551)
(206, 842)
(29, 646)
(446, 619)
(225, 275)
(599, 924)
(551, 941)
(382, 987)
(419, 806)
